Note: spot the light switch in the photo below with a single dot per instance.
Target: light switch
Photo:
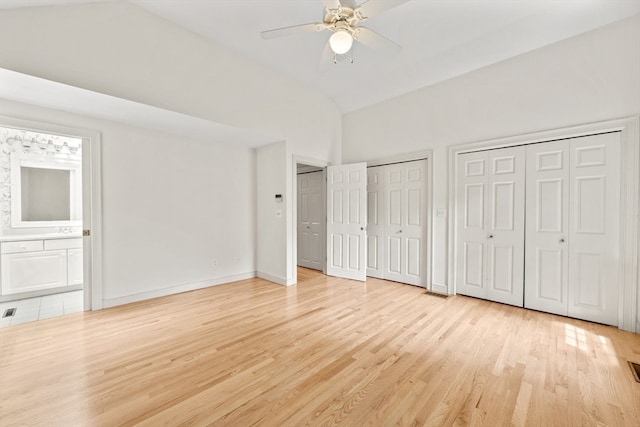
(441, 212)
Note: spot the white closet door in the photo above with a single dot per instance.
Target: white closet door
(405, 222)
(310, 221)
(347, 221)
(471, 233)
(505, 215)
(547, 212)
(375, 223)
(573, 209)
(490, 225)
(594, 224)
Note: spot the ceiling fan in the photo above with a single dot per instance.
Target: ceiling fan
(342, 17)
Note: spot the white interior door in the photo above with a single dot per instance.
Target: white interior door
(505, 215)
(471, 234)
(490, 225)
(547, 210)
(347, 221)
(375, 222)
(310, 220)
(405, 222)
(573, 208)
(594, 228)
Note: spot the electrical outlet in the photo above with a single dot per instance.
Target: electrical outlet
(214, 262)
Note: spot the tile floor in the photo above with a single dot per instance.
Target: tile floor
(39, 308)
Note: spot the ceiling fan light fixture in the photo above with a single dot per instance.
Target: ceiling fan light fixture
(341, 42)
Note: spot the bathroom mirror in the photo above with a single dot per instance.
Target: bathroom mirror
(45, 193)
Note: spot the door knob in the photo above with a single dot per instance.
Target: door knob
(491, 236)
(399, 231)
(562, 240)
(308, 226)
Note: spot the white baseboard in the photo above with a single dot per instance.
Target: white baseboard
(439, 288)
(185, 287)
(275, 279)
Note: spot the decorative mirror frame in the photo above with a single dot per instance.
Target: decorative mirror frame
(18, 160)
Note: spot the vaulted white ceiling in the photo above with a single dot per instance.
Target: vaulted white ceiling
(441, 38)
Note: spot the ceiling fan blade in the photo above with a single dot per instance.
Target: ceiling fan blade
(373, 7)
(296, 29)
(351, 4)
(331, 4)
(326, 59)
(334, 4)
(374, 40)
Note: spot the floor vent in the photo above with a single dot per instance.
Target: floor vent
(635, 369)
(9, 312)
(436, 294)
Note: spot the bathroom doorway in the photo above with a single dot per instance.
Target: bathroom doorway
(43, 228)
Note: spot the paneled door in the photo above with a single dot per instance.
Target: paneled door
(311, 215)
(396, 230)
(573, 209)
(490, 225)
(347, 221)
(375, 222)
(405, 222)
(547, 231)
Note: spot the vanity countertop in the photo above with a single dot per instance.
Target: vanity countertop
(49, 236)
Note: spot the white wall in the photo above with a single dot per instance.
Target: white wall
(588, 78)
(121, 50)
(170, 205)
(272, 215)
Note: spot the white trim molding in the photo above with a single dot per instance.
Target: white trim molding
(274, 279)
(628, 315)
(177, 289)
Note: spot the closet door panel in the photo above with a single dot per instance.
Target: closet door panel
(547, 219)
(593, 235)
(375, 225)
(505, 243)
(405, 190)
(471, 233)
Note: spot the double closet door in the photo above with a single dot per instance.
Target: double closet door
(537, 226)
(396, 226)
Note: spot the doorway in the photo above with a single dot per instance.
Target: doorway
(311, 216)
(48, 179)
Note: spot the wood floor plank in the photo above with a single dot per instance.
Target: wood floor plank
(327, 351)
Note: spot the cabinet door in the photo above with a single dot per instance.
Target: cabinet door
(594, 228)
(75, 270)
(547, 235)
(32, 271)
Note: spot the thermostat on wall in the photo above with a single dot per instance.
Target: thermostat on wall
(279, 198)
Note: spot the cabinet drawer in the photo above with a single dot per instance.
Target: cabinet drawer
(62, 244)
(23, 246)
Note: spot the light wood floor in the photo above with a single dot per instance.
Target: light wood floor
(327, 351)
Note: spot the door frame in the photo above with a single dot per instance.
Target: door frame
(629, 173)
(91, 201)
(293, 257)
(426, 155)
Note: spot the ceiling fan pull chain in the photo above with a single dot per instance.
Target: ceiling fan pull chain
(335, 58)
